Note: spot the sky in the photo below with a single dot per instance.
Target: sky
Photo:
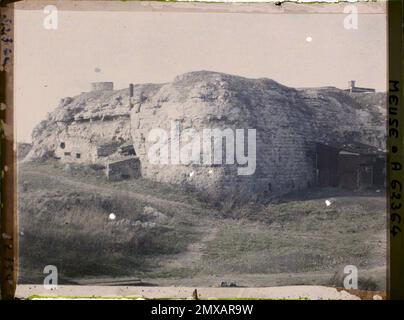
(298, 50)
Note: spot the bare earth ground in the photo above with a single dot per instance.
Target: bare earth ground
(64, 221)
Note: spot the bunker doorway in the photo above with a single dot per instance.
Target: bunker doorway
(365, 176)
(326, 166)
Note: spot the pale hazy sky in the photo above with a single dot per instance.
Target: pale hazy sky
(139, 47)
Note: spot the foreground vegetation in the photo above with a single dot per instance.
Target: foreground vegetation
(162, 235)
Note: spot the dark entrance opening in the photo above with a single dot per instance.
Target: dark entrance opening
(326, 166)
(351, 166)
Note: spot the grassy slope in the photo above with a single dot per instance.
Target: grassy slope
(64, 220)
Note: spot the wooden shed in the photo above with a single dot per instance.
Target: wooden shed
(350, 166)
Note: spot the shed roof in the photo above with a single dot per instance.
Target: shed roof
(357, 148)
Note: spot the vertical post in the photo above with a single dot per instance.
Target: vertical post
(8, 222)
(395, 153)
(131, 96)
(351, 85)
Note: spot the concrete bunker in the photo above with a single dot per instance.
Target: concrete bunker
(123, 169)
(352, 88)
(298, 131)
(118, 159)
(98, 86)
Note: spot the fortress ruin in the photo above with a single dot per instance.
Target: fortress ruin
(304, 137)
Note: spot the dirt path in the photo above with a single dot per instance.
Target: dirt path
(193, 254)
(187, 259)
(113, 190)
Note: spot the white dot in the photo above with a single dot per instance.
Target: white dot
(210, 171)
(328, 203)
(192, 174)
(112, 216)
(309, 39)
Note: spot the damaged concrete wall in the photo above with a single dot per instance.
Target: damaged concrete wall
(85, 123)
(128, 168)
(288, 123)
